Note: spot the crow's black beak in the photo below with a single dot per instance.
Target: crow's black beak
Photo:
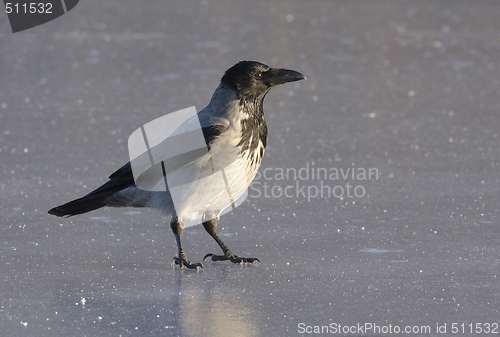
(280, 76)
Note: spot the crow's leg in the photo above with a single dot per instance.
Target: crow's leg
(181, 259)
(211, 228)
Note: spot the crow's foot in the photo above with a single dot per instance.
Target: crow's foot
(231, 257)
(184, 262)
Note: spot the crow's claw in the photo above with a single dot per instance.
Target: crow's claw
(208, 255)
(233, 258)
(183, 262)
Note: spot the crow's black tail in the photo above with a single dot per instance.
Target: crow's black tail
(121, 179)
(78, 206)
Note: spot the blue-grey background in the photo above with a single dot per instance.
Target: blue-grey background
(408, 87)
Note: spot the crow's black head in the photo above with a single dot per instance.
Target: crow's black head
(255, 79)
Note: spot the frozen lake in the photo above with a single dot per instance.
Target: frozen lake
(406, 91)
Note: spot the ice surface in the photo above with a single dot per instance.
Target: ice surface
(409, 88)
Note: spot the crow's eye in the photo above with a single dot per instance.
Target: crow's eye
(258, 76)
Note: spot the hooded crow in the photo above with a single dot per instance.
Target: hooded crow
(233, 120)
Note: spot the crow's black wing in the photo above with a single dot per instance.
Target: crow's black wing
(123, 178)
